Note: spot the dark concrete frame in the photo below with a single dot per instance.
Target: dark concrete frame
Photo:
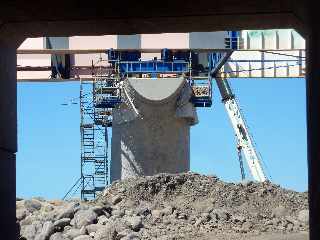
(21, 19)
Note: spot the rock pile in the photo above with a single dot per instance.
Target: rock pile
(167, 206)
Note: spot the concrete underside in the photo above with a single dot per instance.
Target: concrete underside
(36, 18)
(157, 139)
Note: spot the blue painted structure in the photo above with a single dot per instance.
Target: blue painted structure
(233, 41)
(130, 62)
(171, 62)
(153, 66)
(179, 62)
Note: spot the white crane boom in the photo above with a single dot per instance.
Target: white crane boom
(241, 130)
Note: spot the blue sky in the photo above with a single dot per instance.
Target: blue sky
(49, 141)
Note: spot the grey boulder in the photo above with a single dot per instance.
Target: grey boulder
(21, 214)
(58, 236)
(69, 211)
(135, 223)
(73, 233)
(83, 237)
(61, 223)
(32, 205)
(84, 218)
(46, 232)
(93, 227)
(106, 233)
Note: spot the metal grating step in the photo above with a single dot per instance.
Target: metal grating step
(99, 188)
(90, 125)
(99, 161)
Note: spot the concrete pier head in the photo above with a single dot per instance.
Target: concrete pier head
(151, 129)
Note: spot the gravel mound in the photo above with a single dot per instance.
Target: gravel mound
(171, 206)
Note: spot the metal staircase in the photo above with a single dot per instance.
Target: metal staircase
(96, 117)
(87, 134)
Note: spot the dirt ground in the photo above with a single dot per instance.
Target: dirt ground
(185, 206)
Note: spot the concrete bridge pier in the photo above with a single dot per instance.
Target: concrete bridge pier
(151, 129)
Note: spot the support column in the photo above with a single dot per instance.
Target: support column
(313, 120)
(8, 139)
(152, 135)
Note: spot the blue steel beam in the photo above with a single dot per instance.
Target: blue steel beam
(153, 66)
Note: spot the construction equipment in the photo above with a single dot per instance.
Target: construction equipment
(244, 139)
(125, 64)
(105, 91)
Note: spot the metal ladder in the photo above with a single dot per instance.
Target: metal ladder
(87, 134)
